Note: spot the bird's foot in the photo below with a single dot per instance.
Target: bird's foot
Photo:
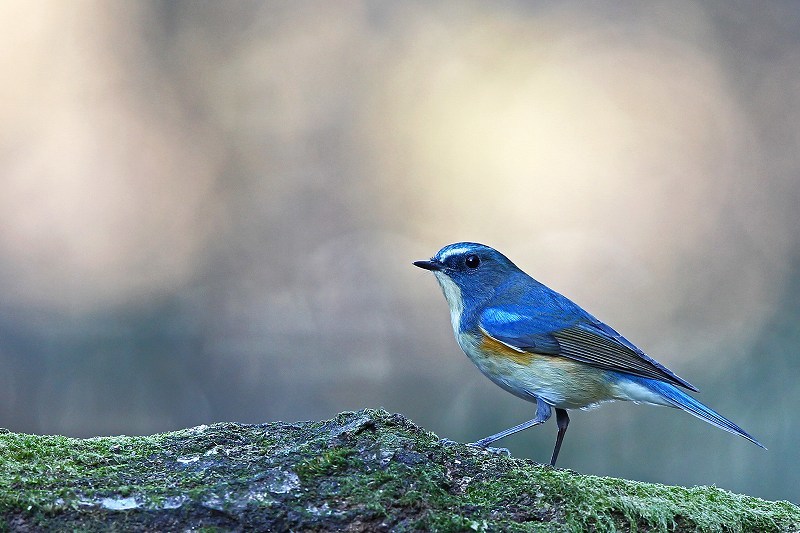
(494, 451)
(480, 445)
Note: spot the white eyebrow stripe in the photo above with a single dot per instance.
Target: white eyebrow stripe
(454, 251)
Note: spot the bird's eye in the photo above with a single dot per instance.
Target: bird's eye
(472, 261)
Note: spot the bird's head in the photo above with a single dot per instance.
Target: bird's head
(469, 272)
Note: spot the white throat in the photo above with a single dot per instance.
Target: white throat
(452, 293)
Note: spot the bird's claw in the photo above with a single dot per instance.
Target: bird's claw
(494, 451)
(484, 447)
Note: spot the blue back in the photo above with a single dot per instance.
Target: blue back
(507, 304)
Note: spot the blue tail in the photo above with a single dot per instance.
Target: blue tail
(678, 398)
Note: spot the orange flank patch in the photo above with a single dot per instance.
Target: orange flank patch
(494, 348)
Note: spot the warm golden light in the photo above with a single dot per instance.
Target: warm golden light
(582, 150)
(209, 210)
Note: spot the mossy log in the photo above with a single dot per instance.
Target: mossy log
(361, 471)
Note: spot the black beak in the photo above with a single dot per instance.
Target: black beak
(429, 265)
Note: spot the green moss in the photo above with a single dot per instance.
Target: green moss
(368, 470)
(329, 463)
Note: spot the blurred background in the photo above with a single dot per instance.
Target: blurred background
(208, 212)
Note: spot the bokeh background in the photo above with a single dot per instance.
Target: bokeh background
(208, 212)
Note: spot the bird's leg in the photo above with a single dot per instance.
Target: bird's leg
(542, 415)
(562, 420)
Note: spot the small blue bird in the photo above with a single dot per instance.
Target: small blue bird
(540, 346)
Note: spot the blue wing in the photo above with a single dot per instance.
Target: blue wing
(574, 334)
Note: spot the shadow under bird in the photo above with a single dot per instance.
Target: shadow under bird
(540, 346)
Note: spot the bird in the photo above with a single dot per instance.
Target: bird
(542, 347)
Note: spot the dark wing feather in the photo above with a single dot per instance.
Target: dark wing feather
(584, 339)
(586, 343)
